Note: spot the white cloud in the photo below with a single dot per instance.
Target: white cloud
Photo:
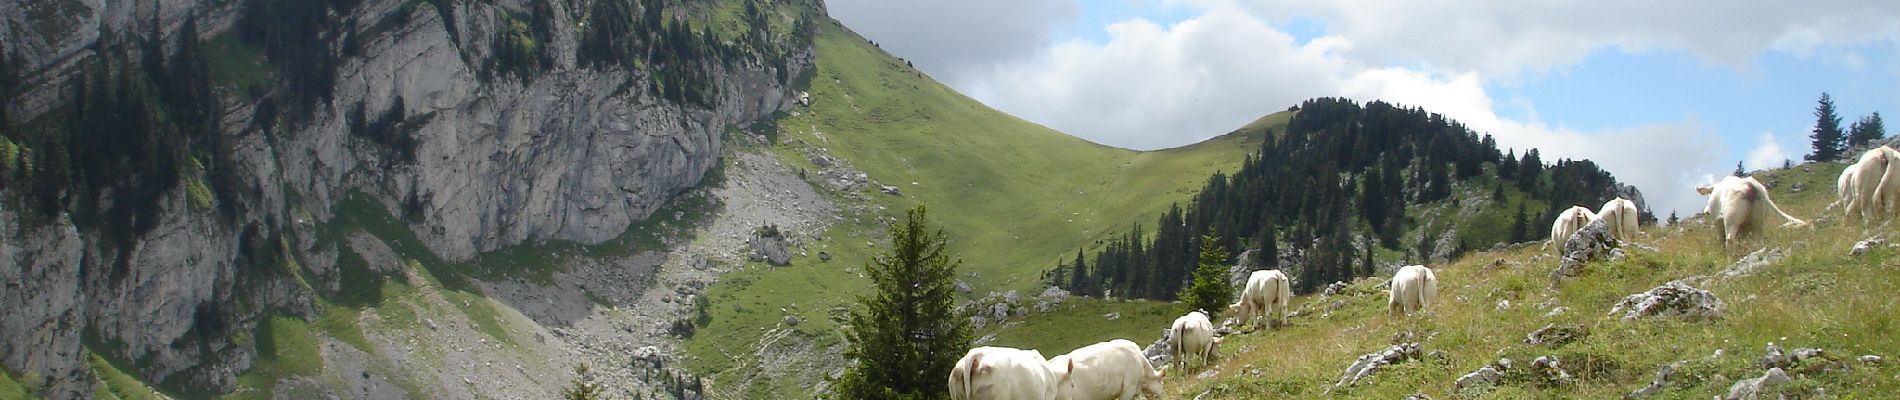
(1505, 39)
(1767, 154)
(956, 40)
(1150, 86)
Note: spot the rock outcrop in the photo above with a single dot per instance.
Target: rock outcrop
(1591, 243)
(1756, 388)
(1366, 365)
(1672, 299)
(569, 152)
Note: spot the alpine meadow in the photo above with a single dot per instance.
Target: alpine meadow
(777, 199)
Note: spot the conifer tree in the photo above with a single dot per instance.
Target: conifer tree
(1520, 230)
(1209, 291)
(1866, 130)
(1079, 275)
(1826, 139)
(905, 334)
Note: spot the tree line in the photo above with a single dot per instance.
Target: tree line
(1340, 181)
(1829, 141)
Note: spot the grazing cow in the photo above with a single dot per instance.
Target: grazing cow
(1192, 334)
(1845, 186)
(1266, 294)
(1740, 206)
(1869, 186)
(1108, 370)
(1414, 287)
(1619, 215)
(990, 373)
(1568, 223)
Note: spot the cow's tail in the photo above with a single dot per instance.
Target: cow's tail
(1792, 221)
(1881, 201)
(964, 378)
(1429, 292)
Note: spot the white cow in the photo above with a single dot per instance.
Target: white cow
(1414, 287)
(1266, 294)
(1108, 370)
(1192, 334)
(1619, 215)
(997, 373)
(1568, 223)
(1870, 186)
(1846, 186)
(1740, 206)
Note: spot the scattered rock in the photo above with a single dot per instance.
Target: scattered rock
(1550, 369)
(963, 287)
(1751, 389)
(1480, 380)
(1591, 243)
(772, 249)
(977, 322)
(791, 320)
(650, 355)
(1504, 304)
(1559, 310)
(1798, 186)
(1334, 288)
(1655, 386)
(1113, 316)
(430, 323)
(824, 256)
(1158, 352)
(1504, 364)
(1754, 262)
(1799, 360)
(1054, 293)
(1870, 359)
(1243, 267)
(888, 189)
(1437, 355)
(999, 312)
(1617, 254)
(1012, 298)
(986, 339)
(1369, 363)
(1863, 246)
(1557, 335)
(1209, 373)
(1043, 307)
(1672, 299)
(1418, 396)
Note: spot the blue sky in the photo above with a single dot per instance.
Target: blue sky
(1666, 95)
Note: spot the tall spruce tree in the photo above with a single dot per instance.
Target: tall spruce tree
(1079, 275)
(1209, 291)
(1520, 230)
(1866, 130)
(905, 335)
(1827, 139)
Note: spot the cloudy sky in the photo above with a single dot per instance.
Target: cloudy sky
(1665, 94)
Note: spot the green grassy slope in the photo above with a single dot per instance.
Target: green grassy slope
(1819, 296)
(1023, 194)
(1014, 197)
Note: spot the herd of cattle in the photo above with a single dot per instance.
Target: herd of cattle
(1117, 369)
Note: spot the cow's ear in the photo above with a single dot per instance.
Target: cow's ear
(1704, 190)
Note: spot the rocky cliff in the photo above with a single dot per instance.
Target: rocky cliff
(564, 151)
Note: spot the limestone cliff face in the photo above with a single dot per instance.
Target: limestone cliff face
(568, 153)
